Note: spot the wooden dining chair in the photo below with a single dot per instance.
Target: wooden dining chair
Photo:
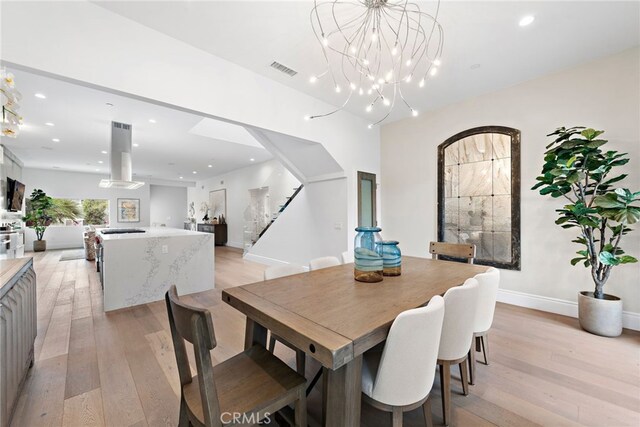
(485, 307)
(244, 388)
(457, 334)
(454, 250)
(323, 262)
(275, 272)
(399, 378)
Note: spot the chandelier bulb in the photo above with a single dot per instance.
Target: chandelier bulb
(381, 81)
(307, 117)
(352, 86)
(437, 62)
(386, 102)
(408, 62)
(325, 41)
(408, 78)
(360, 92)
(414, 113)
(371, 77)
(374, 35)
(421, 84)
(338, 89)
(394, 51)
(389, 76)
(369, 108)
(370, 125)
(365, 61)
(313, 79)
(353, 49)
(370, 91)
(433, 71)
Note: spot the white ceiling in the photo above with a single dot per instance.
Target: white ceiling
(482, 34)
(177, 144)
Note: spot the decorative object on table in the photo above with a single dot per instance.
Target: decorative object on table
(10, 99)
(577, 169)
(218, 202)
(391, 257)
(38, 217)
(128, 210)
(376, 48)
(215, 221)
(368, 265)
(222, 219)
(192, 211)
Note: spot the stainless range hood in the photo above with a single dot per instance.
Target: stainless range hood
(120, 159)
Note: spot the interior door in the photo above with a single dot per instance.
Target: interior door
(367, 199)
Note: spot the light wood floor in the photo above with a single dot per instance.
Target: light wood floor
(118, 369)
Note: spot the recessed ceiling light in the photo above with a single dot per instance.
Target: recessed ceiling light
(100, 161)
(40, 95)
(108, 104)
(182, 177)
(194, 172)
(104, 152)
(56, 140)
(252, 159)
(46, 148)
(49, 124)
(136, 145)
(526, 20)
(209, 166)
(55, 167)
(152, 121)
(97, 170)
(171, 163)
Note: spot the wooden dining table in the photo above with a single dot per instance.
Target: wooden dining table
(335, 319)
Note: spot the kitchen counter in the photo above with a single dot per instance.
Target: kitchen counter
(138, 268)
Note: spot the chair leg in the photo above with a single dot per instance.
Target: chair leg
(397, 417)
(301, 410)
(272, 343)
(478, 345)
(463, 377)
(484, 339)
(445, 382)
(426, 408)
(300, 362)
(183, 420)
(472, 365)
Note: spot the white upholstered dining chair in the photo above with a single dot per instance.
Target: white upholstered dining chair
(486, 304)
(275, 272)
(399, 377)
(347, 257)
(457, 334)
(323, 262)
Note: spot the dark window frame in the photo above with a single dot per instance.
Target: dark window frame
(515, 135)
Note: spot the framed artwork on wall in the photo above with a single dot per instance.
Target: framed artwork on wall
(218, 203)
(128, 210)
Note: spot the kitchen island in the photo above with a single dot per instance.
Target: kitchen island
(137, 268)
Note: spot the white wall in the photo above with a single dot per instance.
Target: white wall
(237, 183)
(308, 228)
(167, 205)
(85, 42)
(603, 95)
(10, 167)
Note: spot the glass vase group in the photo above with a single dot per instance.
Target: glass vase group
(375, 258)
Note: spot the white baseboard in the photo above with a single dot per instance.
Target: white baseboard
(630, 320)
(237, 245)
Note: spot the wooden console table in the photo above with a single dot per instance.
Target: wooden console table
(220, 231)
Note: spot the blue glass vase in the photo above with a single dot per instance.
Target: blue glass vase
(367, 260)
(391, 257)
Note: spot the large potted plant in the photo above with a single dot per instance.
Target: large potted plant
(38, 217)
(577, 169)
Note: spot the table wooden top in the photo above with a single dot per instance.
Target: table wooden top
(331, 316)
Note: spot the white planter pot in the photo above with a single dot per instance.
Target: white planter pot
(600, 316)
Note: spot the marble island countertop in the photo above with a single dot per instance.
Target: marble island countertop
(150, 232)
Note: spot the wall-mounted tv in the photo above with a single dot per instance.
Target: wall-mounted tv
(15, 195)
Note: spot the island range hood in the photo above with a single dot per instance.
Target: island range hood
(120, 159)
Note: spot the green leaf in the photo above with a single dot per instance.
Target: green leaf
(627, 259)
(607, 258)
(609, 200)
(577, 260)
(591, 133)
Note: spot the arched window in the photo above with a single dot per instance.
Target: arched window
(479, 193)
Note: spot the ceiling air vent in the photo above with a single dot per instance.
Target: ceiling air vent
(283, 69)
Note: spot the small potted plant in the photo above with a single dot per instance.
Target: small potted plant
(38, 217)
(578, 170)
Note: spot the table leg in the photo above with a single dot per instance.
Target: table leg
(341, 389)
(254, 334)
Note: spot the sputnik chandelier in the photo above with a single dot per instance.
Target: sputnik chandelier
(375, 48)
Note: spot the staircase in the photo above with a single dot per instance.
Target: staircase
(280, 210)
